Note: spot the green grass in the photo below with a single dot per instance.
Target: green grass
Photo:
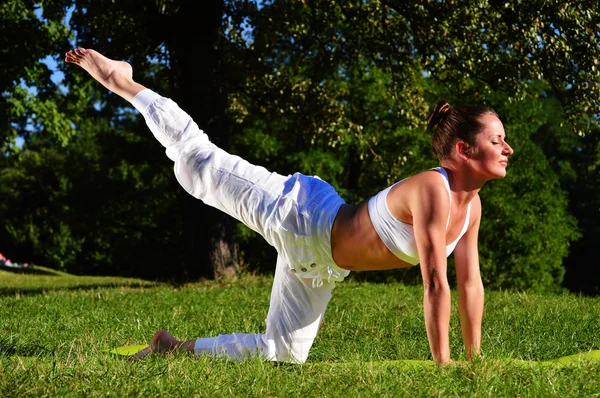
(53, 343)
(40, 279)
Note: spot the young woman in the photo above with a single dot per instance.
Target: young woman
(318, 237)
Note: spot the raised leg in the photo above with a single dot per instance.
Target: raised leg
(224, 181)
(247, 192)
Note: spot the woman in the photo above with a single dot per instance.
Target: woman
(318, 237)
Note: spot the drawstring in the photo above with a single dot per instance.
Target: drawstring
(331, 272)
(318, 280)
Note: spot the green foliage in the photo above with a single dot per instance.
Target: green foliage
(526, 232)
(96, 206)
(25, 39)
(340, 90)
(508, 45)
(41, 114)
(575, 160)
(315, 87)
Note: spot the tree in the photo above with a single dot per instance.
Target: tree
(25, 41)
(332, 79)
(507, 45)
(210, 248)
(188, 30)
(575, 159)
(342, 91)
(100, 205)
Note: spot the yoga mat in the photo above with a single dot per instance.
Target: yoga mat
(567, 360)
(129, 350)
(583, 356)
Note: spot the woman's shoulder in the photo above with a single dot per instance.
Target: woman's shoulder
(428, 183)
(427, 178)
(476, 205)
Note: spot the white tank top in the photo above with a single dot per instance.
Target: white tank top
(398, 236)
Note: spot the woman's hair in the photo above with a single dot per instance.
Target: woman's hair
(451, 124)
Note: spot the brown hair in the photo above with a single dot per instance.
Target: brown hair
(451, 124)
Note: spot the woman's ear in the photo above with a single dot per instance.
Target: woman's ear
(462, 148)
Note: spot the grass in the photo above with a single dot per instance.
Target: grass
(40, 279)
(53, 341)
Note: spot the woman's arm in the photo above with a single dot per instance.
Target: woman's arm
(469, 284)
(430, 209)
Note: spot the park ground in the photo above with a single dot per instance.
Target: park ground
(56, 331)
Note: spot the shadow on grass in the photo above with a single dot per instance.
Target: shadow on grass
(12, 291)
(9, 348)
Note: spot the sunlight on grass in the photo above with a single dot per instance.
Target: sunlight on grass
(372, 343)
(40, 279)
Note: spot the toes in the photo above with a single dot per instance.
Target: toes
(72, 56)
(76, 55)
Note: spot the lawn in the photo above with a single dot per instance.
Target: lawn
(41, 279)
(55, 331)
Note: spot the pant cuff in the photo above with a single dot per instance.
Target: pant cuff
(143, 99)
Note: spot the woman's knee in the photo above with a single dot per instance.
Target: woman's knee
(294, 352)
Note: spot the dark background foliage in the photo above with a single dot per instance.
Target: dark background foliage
(336, 89)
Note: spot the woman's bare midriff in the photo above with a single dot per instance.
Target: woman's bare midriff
(356, 246)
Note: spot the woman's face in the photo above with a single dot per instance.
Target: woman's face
(491, 151)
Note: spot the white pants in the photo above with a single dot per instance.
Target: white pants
(294, 214)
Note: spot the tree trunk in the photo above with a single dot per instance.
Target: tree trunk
(196, 62)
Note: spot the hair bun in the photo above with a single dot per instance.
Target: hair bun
(438, 113)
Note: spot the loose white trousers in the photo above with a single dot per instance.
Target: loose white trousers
(293, 213)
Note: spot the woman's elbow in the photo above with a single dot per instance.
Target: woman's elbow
(436, 287)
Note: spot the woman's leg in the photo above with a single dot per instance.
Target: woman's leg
(221, 180)
(247, 192)
(295, 314)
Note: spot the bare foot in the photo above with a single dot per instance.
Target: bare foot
(97, 65)
(116, 76)
(162, 341)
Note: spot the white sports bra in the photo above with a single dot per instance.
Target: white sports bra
(398, 236)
